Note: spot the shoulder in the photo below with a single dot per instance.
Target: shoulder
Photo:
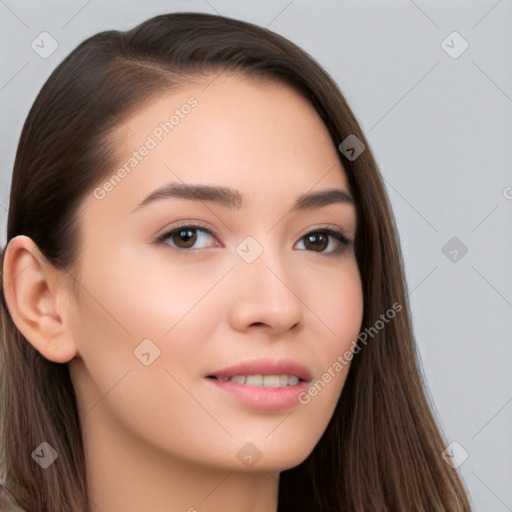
(7, 501)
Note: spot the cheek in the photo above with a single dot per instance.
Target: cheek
(340, 307)
(135, 297)
(122, 304)
(340, 311)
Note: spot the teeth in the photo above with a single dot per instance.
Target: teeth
(269, 381)
(253, 380)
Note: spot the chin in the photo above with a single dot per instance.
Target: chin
(280, 458)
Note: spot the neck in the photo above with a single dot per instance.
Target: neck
(128, 475)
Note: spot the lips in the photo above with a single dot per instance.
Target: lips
(266, 397)
(265, 367)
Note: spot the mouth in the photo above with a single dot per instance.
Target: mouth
(264, 383)
(258, 380)
(272, 373)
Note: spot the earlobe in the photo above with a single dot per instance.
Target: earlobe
(34, 292)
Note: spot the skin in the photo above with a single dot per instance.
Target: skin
(162, 437)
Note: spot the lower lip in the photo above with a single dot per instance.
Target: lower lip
(272, 399)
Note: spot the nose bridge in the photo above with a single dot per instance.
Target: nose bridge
(265, 292)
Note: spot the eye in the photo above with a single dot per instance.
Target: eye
(325, 240)
(187, 237)
(193, 237)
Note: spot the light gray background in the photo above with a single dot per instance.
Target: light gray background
(440, 128)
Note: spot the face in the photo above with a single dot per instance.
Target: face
(195, 286)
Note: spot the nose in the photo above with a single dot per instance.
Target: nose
(266, 296)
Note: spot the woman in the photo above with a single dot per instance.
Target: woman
(204, 305)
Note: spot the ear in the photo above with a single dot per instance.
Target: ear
(35, 293)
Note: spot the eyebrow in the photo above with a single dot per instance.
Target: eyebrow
(231, 198)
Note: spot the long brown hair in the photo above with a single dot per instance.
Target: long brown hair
(382, 449)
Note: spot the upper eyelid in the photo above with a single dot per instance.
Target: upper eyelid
(167, 231)
(187, 224)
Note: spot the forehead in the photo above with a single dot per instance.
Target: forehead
(263, 139)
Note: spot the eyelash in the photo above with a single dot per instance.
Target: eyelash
(344, 241)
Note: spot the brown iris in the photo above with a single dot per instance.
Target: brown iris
(185, 238)
(317, 241)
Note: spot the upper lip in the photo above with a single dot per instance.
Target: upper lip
(265, 367)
